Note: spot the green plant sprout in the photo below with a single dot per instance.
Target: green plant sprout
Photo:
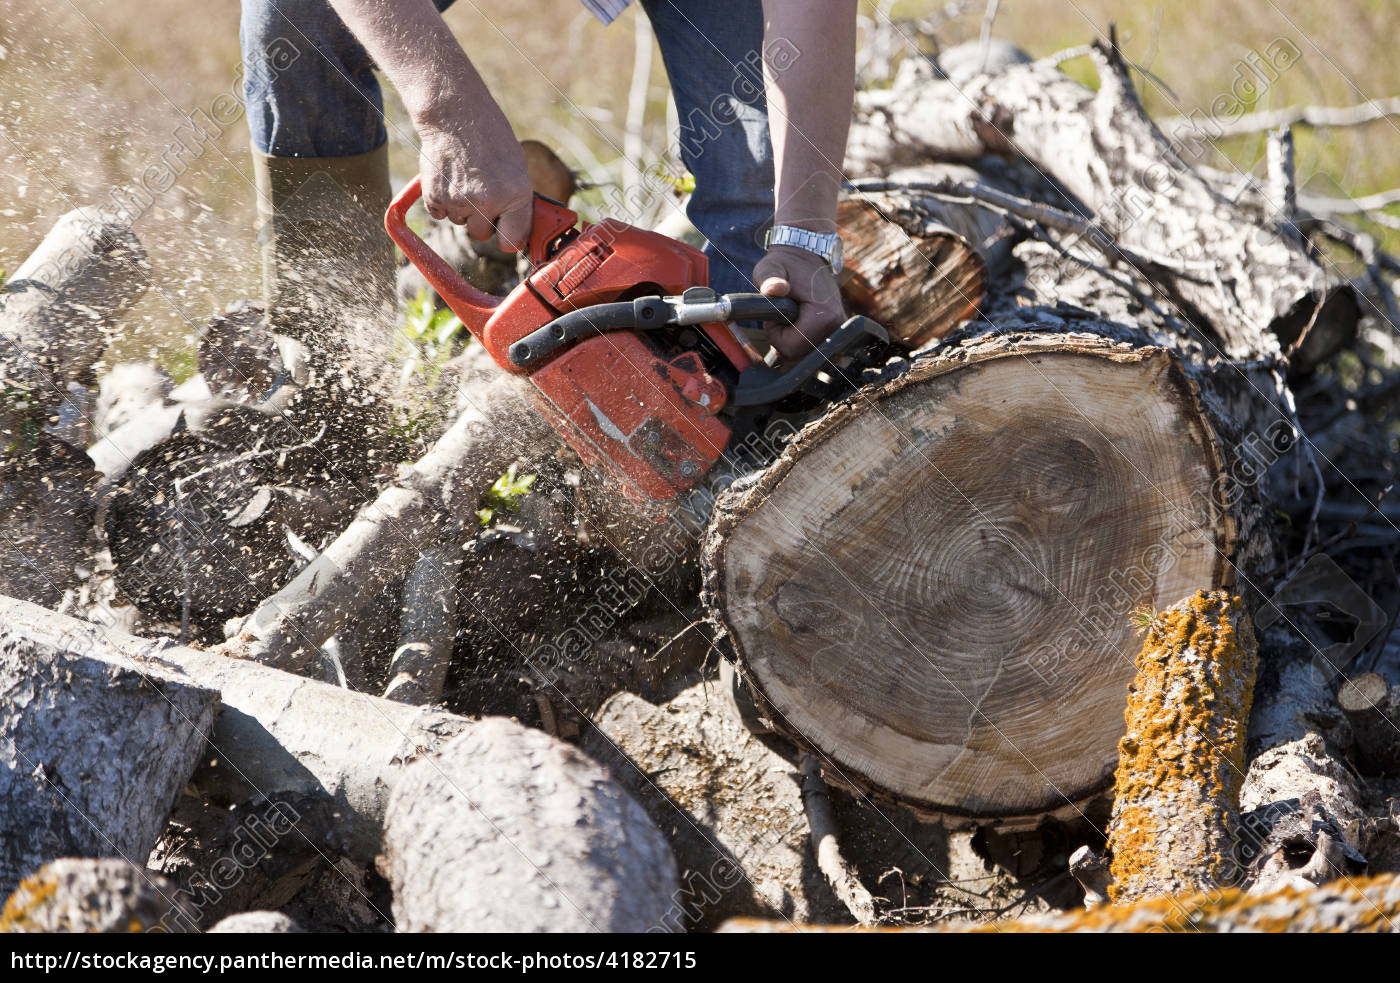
(504, 495)
(430, 336)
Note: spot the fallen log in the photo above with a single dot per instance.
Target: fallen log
(510, 830)
(1234, 274)
(934, 582)
(1181, 764)
(93, 752)
(60, 307)
(277, 736)
(57, 314)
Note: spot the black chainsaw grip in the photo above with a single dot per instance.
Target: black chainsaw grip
(757, 307)
(575, 324)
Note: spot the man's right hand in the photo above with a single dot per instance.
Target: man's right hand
(473, 169)
(474, 175)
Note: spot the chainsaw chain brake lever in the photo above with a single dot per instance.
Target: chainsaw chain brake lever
(761, 383)
(698, 305)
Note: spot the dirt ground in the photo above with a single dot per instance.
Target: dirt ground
(92, 91)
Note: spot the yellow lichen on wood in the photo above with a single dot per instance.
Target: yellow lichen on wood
(1348, 905)
(29, 897)
(1181, 760)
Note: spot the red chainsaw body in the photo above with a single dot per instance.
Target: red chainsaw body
(645, 415)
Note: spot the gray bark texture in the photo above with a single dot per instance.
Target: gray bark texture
(1237, 275)
(85, 895)
(729, 803)
(277, 736)
(94, 750)
(510, 830)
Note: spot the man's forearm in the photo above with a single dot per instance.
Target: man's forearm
(809, 105)
(414, 47)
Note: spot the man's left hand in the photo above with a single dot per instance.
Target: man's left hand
(787, 271)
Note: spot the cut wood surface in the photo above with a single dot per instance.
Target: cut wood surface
(916, 589)
(916, 277)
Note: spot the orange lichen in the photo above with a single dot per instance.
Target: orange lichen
(1181, 760)
(29, 897)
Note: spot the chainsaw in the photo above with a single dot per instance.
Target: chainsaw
(635, 361)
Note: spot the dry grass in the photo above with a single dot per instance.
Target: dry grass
(92, 89)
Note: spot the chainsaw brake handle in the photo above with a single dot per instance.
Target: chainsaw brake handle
(761, 383)
(646, 314)
(550, 221)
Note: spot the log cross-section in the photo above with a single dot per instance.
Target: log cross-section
(932, 586)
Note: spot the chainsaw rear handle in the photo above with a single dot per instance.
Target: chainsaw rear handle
(646, 314)
(551, 220)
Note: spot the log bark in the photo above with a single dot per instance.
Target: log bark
(730, 805)
(428, 628)
(87, 895)
(1239, 277)
(256, 922)
(931, 588)
(510, 830)
(62, 304)
(277, 736)
(94, 751)
(1181, 763)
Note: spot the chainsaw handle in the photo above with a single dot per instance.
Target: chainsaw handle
(550, 221)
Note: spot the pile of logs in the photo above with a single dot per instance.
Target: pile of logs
(1004, 623)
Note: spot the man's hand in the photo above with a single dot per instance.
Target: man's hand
(473, 169)
(474, 175)
(787, 271)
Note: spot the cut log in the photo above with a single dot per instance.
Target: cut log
(931, 588)
(1236, 275)
(81, 896)
(1176, 796)
(277, 735)
(94, 751)
(511, 830)
(907, 270)
(428, 628)
(1371, 708)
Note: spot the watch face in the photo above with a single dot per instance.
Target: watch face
(838, 255)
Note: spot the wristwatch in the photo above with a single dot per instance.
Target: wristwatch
(826, 245)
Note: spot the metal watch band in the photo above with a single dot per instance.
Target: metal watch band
(825, 245)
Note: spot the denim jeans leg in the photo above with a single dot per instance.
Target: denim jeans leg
(309, 85)
(713, 51)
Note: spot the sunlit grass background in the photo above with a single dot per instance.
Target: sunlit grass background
(90, 91)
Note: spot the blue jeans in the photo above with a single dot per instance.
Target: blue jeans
(311, 92)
